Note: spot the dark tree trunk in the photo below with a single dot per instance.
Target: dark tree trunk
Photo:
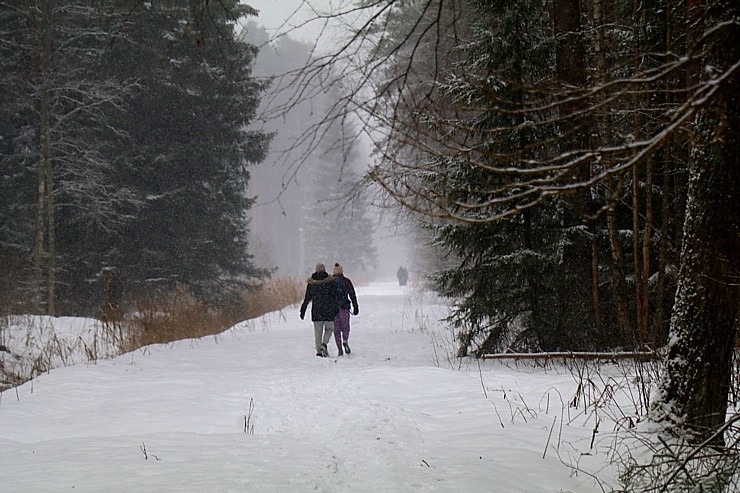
(577, 304)
(706, 312)
(619, 284)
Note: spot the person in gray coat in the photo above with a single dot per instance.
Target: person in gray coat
(322, 294)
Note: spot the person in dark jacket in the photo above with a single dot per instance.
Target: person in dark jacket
(322, 294)
(403, 275)
(347, 297)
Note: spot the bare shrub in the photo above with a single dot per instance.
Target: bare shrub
(650, 461)
(623, 392)
(657, 464)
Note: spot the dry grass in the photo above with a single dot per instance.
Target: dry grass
(156, 320)
(180, 316)
(166, 319)
(274, 295)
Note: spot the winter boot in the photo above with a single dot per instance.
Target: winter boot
(346, 348)
(340, 352)
(324, 351)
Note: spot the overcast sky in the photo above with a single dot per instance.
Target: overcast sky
(280, 16)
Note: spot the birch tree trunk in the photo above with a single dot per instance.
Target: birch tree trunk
(647, 337)
(43, 280)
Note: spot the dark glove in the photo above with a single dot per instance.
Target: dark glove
(356, 311)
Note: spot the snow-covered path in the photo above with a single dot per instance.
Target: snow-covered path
(392, 417)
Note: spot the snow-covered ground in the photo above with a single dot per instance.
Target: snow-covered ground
(254, 410)
(33, 345)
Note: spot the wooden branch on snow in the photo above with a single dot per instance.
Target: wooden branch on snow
(636, 355)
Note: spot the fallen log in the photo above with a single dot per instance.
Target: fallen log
(636, 355)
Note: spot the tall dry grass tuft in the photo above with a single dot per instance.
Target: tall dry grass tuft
(179, 316)
(166, 319)
(274, 294)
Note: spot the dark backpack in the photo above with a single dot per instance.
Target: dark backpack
(342, 294)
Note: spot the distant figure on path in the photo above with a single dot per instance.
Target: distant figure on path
(403, 276)
(321, 292)
(347, 297)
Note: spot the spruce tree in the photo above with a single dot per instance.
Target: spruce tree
(189, 149)
(59, 103)
(513, 282)
(125, 148)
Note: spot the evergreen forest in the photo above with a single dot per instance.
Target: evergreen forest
(547, 150)
(575, 166)
(125, 148)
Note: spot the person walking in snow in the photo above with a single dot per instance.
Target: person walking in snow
(403, 275)
(347, 297)
(321, 292)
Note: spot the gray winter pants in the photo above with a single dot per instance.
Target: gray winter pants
(322, 332)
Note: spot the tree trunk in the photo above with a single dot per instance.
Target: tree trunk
(43, 280)
(693, 393)
(705, 313)
(579, 312)
(647, 337)
(613, 191)
(640, 245)
(659, 314)
(637, 257)
(596, 297)
(47, 35)
(619, 285)
(39, 237)
(571, 68)
(659, 328)
(51, 237)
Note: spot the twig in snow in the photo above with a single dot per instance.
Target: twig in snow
(480, 373)
(595, 432)
(497, 414)
(248, 425)
(146, 455)
(549, 435)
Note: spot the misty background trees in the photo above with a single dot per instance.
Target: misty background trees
(308, 207)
